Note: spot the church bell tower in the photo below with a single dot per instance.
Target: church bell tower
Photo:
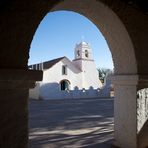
(84, 61)
(83, 51)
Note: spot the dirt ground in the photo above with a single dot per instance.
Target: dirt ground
(71, 123)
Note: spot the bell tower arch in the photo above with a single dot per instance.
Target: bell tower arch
(83, 51)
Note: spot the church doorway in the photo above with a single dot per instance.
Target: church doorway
(65, 85)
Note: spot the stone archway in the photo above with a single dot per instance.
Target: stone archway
(24, 17)
(124, 59)
(111, 27)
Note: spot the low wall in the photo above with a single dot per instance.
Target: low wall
(52, 91)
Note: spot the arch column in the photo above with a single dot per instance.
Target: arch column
(14, 86)
(125, 110)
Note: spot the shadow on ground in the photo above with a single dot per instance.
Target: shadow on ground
(79, 123)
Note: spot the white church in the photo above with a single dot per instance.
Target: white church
(63, 78)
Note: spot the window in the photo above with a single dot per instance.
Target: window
(65, 85)
(86, 53)
(64, 70)
(78, 53)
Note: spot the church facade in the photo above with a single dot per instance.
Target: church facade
(63, 78)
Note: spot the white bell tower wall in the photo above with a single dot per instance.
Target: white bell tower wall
(84, 61)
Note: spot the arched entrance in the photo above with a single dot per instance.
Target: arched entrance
(64, 85)
(24, 17)
(111, 27)
(125, 79)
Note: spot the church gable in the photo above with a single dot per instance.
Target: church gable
(70, 65)
(62, 69)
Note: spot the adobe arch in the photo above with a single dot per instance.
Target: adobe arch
(24, 17)
(111, 27)
(125, 64)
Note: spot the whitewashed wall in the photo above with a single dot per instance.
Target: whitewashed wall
(50, 85)
(90, 75)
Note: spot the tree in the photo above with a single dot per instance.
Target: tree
(103, 72)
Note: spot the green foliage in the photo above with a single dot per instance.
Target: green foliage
(103, 72)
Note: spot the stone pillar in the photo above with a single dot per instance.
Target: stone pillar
(125, 110)
(14, 86)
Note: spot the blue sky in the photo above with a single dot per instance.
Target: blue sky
(58, 33)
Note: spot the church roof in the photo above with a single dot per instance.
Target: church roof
(47, 64)
(50, 63)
